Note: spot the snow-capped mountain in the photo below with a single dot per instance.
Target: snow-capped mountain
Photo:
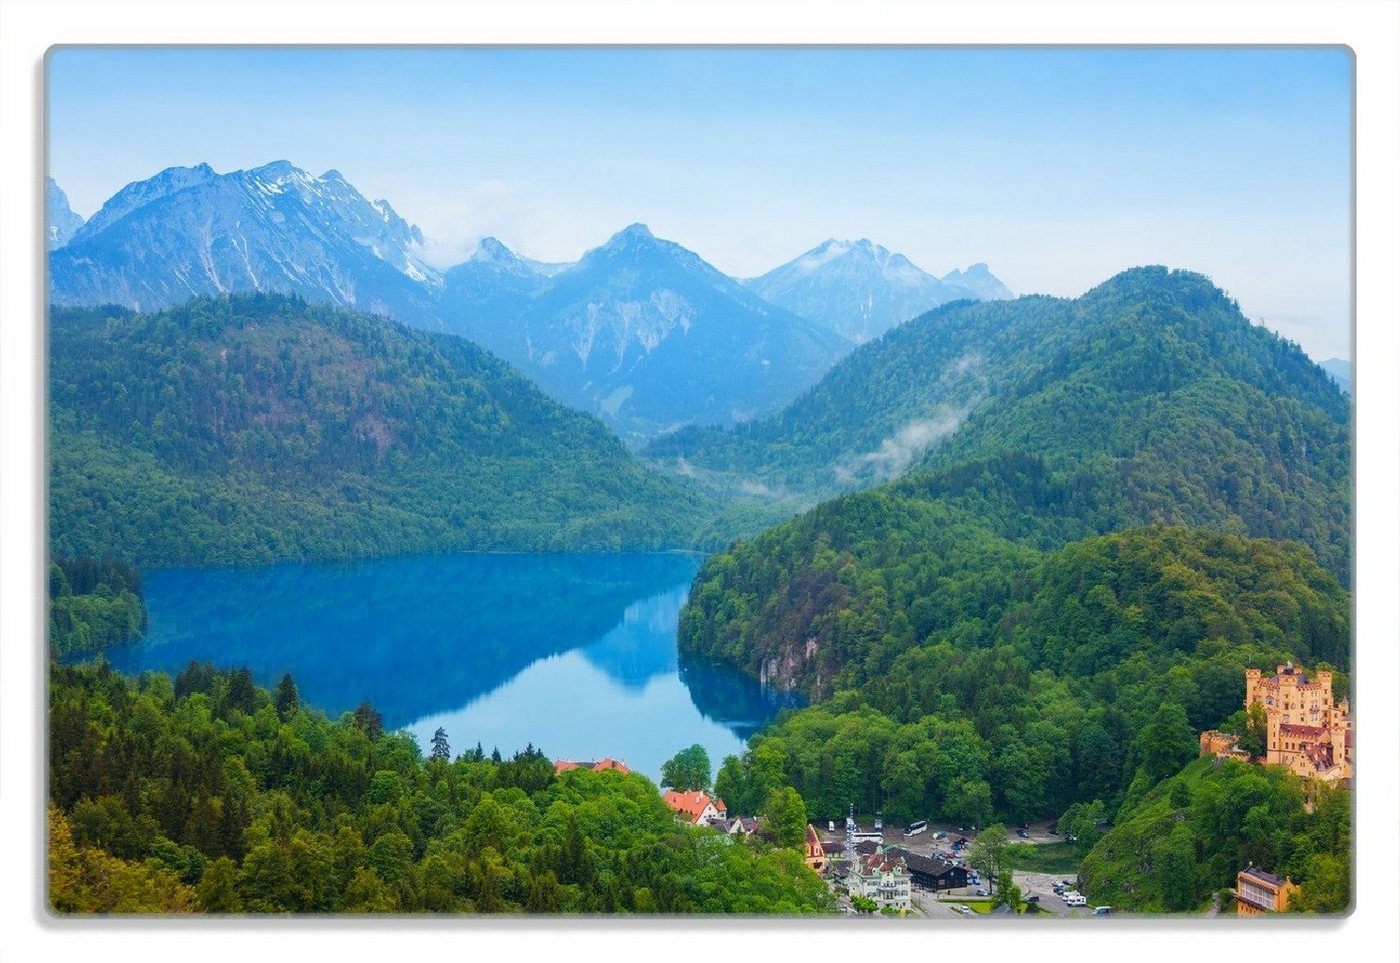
(641, 332)
(861, 289)
(62, 222)
(189, 231)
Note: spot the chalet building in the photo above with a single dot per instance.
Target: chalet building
(694, 806)
(1306, 731)
(744, 826)
(1258, 892)
(881, 877)
(816, 852)
(564, 765)
(925, 871)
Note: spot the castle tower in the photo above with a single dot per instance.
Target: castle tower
(1251, 687)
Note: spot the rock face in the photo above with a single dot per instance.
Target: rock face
(275, 228)
(641, 332)
(62, 222)
(861, 289)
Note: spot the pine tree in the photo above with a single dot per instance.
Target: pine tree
(441, 750)
(286, 697)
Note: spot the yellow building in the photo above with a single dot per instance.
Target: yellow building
(1307, 733)
(1258, 892)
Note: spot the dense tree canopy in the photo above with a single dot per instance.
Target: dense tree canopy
(998, 681)
(198, 794)
(1188, 837)
(93, 605)
(259, 427)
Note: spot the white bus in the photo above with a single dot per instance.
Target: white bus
(915, 828)
(868, 835)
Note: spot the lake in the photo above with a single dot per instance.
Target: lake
(575, 654)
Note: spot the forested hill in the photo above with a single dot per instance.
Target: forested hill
(976, 680)
(258, 428)
(1152, 397)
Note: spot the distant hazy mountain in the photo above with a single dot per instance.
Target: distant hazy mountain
(275, 228)
(62, 222)
(861, 289)
(979, 283)
(482, 297)
(641, 332)
(1340, 370)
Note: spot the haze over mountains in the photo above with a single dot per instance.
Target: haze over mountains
(1152, 375)
(640, 332)
(861, 289)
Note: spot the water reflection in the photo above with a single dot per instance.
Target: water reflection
(574, 653)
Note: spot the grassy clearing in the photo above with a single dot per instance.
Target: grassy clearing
(1047, 858)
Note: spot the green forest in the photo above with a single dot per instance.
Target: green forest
(260, 428)
(93, 604)
(207, 793)
(1055, 533)
(1151, 399)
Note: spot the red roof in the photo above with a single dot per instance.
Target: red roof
(564, 765)
(691, 803)
(1295, 729)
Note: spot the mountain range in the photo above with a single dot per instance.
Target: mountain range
(640, 332)
(861, 289)
(189, 231)
(1153, 374)
(62, 223)
(1149, 401)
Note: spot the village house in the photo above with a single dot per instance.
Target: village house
(815, 851)
(1258, 892)
(564, 765)
(881, 877)
(928, 872)
(744, 826)
(694, 807)
(1306, 731)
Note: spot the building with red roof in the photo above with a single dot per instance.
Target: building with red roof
(694, 806)
(564, 765)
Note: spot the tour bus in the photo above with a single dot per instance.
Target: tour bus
(866, 835)
(916, 828)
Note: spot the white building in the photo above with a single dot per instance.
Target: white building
(881, 877)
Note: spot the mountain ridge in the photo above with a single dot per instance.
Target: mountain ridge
(260, 428)
(861, 289)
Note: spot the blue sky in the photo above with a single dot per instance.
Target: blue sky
(1057, 167)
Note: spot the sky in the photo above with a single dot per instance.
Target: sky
(1058, 167)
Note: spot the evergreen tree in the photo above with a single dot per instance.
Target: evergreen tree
(440, 748)
(285, 697)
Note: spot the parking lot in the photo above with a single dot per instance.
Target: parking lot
(928, 843)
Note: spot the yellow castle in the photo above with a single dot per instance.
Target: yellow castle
(1306, 731)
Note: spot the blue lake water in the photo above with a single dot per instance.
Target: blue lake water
(573, 653)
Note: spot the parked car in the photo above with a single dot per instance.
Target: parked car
(1075, 899)
(1103, 910)
(983, 892)
(1023, 834)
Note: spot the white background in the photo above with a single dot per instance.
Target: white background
(1371, 29)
